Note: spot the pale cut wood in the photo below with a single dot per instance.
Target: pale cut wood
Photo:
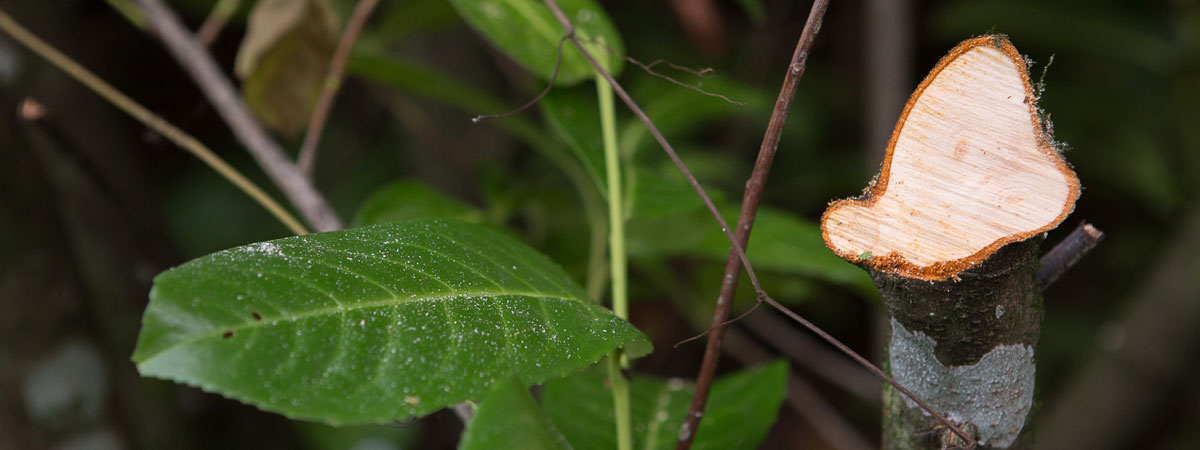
(969, 168)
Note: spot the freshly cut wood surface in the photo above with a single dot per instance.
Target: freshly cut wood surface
(969, 169)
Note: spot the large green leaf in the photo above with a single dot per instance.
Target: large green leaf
(741, 409)
(406, 199)
(526, 31)
(509, 418)
(372, 324)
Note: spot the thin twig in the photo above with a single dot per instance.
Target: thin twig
(535, 100)
(649, 68)
(802, 396)
(806, 351)
(143, 115)
(875, 370)
(796, 68)
(787, 340)
(1067, 253)
(333, 82)
(750, 202)
(215, 22)
(199, 64)
(721, 325)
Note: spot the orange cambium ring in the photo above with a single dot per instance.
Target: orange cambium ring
(970, 168)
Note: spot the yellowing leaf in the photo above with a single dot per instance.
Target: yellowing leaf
(283, 60)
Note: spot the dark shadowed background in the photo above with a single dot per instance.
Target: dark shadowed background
(93, 205)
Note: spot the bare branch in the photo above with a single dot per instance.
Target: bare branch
(770, 141)
(333, 82)
(750, 202)
(198, 63)
(1067, 253)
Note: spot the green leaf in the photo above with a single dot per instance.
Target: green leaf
(741, 409)
(421, 80)
(374, 324)
(442, 87)
(283, 60)
(664, 190)
(403, 200)
(783, 242)
(509, 418)
(780, 242)
(403, 19)
(575, 116)
(527, 32)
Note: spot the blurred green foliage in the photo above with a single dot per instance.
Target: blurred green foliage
(1123, 94)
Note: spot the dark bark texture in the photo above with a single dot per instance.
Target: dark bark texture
(966, 347)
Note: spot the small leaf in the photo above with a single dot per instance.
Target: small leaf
(740, 411)
(527, 32)
(403, 200)
(509, 418)
(283, 60)
(373, 324)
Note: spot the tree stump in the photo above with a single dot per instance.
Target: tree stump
(949, 232)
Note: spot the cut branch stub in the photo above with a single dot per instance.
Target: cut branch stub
(970, 167)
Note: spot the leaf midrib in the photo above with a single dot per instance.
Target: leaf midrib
(341, 309)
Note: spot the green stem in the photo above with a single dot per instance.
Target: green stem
(616, 243)
(616, 213)
(620, 390)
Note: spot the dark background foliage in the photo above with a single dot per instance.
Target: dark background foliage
(92, 205)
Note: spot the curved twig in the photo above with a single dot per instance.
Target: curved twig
(333, 83)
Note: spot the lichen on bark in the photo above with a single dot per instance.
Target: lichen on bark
(974, 339)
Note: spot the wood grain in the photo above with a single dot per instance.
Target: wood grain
(969, 168)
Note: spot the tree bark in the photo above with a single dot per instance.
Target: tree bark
(967, 348)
